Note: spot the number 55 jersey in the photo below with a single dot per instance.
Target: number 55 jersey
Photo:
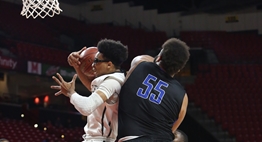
(149, 103)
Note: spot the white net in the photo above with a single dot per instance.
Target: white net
(40, 8)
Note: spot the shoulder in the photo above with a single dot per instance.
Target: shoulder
(113, 77)
(120, 77)
(100, 78)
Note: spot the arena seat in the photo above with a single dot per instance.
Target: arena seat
(231, 97)
(246, 49)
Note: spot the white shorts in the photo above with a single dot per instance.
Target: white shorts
(98, 139)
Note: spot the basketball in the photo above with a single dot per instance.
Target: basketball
(86, 59)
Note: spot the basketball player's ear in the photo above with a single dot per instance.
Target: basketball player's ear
(109, 64)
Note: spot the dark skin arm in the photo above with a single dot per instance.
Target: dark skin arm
(74, 61)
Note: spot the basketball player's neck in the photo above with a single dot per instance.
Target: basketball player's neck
(113, 70)
(160, 66)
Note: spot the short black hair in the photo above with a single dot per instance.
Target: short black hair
(175, 54)
(113, 50)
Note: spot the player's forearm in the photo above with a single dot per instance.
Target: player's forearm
(86, 81)
(176, 125)
(86, 105)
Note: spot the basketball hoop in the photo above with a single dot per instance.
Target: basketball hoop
(40, 8)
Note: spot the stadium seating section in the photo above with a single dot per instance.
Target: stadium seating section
(34, 38)
(23, 132)
(229, 47)
(229, 92)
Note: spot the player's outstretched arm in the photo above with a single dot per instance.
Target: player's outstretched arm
(84, 105)
(66, 88)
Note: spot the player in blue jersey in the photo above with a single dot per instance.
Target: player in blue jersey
(152, 104)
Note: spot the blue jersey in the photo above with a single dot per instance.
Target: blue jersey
(149, 103)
